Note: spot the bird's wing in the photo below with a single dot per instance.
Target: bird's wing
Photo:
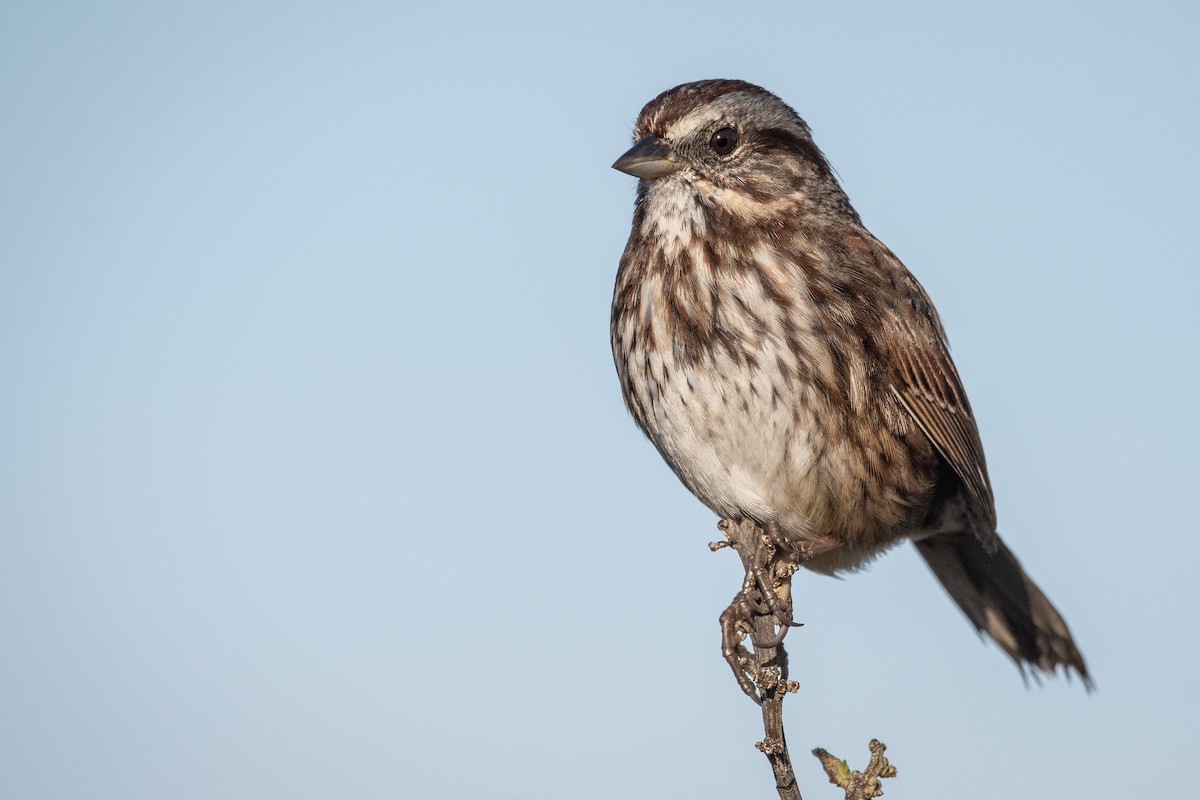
(926, 383)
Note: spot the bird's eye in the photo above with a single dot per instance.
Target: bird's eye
(724, 141)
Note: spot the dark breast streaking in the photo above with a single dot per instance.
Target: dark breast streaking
(792, 371)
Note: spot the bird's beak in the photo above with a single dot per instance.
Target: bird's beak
(650, 157)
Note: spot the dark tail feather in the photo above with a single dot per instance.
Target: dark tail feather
(1000, 600)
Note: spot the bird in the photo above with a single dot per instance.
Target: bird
(792, 372)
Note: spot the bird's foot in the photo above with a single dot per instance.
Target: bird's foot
(747, 617)
(772, 558)
(758, 607)
(764, 602)
(736, 625)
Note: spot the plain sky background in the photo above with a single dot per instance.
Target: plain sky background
(315, 477)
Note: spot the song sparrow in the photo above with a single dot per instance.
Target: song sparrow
(792, 372)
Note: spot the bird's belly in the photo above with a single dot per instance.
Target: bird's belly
(731, 461)
(736, 437)
(754, 444)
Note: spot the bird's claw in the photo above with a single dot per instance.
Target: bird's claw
(735, 622)
(757, 600)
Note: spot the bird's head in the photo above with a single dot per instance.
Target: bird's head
(735, 145)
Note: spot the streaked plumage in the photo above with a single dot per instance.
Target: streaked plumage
(792, 371)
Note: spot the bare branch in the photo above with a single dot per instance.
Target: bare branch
(858, 785)
(767, 667)
(761, 611)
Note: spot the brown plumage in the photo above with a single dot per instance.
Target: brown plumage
(791, 370)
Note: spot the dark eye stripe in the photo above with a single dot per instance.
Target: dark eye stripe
(798, 146)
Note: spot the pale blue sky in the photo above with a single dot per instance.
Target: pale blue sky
(316, 478)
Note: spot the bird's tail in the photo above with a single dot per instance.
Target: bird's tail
(1001, 600)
